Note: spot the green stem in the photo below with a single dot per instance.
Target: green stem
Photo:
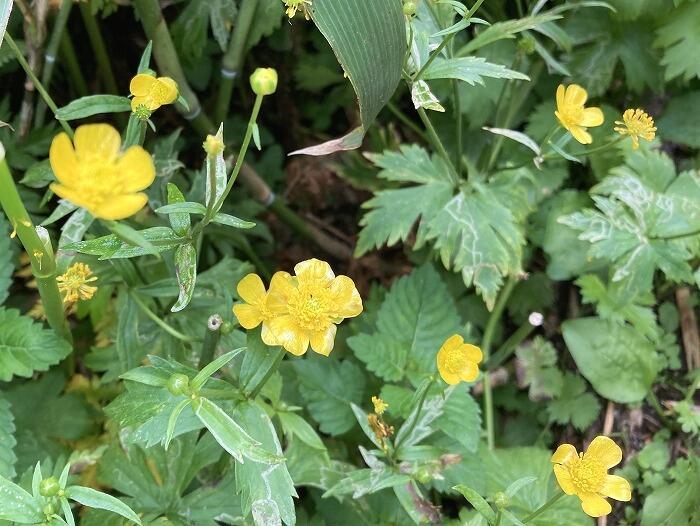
(278, 360)
(654, 402)
(600, 148)
(70, 60)
(458, 125)
(40, 254)
(232, 62)
(104, 66)
(135, 131)
(544, 507)
(37, 83)
(212, 335)
(499, 516)
(50, 54)
(486, 349)
(437, 143)
(419, 407)
(158, 321)
(405, 120)
(509, 346)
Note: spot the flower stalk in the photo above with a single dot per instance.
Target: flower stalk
(539, 511)
(212, 335)
(104, 66)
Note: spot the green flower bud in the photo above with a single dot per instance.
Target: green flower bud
(264, 81)
(501, 500)
(178, 384)
(423, 475)
(49, 510)
(527, 44)
(409, 8)
(226, 327)
(49, 487)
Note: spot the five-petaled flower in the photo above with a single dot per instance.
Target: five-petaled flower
(636, 123)
(150, 93)
(95, 174)
(573, 115)
(299, 310)
(73, 284)
(586, 475)
(458, 361)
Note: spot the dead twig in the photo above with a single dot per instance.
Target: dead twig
(689, 328)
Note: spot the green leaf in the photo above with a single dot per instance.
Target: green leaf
(6, 258)
(295, 425)
(328, 387)
(573, 404)
(677, 123)
(179, 221)
(172, 422)
(7, 440)
(93, 105)
(202, 376)
(461, 417)
(470, 70)
(16, 505)
(112, 247)
(96, 499)
(362, 419)
(674, 504)
(680, 39)
(26, 347)
(414, 320)
(258, 361)
(39, 175)
(369, 43)
(186, 272)
(5, 11)
(537, 368)
(479, 503)
(505, 29)
(363, 482)
(229, 220)
(185, 207)
(618, 361)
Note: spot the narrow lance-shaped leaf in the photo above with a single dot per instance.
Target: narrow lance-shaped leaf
(186, 271)
(216, 173)
(478, 502)
(96, 499)
(179, 221)
(203, 375)
(17, 505)
(5, 11)
(93, 105)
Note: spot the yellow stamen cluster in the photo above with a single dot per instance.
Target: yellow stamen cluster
(297, 5)
(213, 145)
(379, 405)
(73, 285)
(636, 123)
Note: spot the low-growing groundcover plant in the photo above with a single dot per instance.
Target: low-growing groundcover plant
(347, 262)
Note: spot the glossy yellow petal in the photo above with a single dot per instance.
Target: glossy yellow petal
(314, 270)
(249, 316)
(473, 353)
(561, 90)
(139, 101)
(347, 300)
(469, 373)
(141, 84)
(448, 377)
(594, 505)
(281, 288)
(605, 451)
(575, 95)
(71, 194)
(136, 169)
(97, 140)
(63, 160)
(266, 334)
(168, 90)
(592, 117)
(294, 339)
(120, 206)
(581, 135)
(251, 289)
(322, 341)
(564, 479)
(564, 453)
(453, 342)
(617, 488)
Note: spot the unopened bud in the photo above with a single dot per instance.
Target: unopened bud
(49, 487)
(213, 145)
(501, 500)
(178, 384)
(409, 8)
(264, 81)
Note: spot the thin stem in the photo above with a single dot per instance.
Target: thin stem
(99, 48)
(600, 148)
(499, 516)
(405, 120)
(72, 65)
(212, 335)
(544, 507)
(158, 321)
(437, 143)
(419, 407)
(504, 352)
(37, 83)
(458, 124)
(278, 360)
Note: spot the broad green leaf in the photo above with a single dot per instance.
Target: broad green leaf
(416, 317)
(461, 417)
(93, 105)
(470, 70)
(258, 361)
(295, 425)
(96, 499)
(6, 258)
(363, 482)
(369, 42)
(680, 39)
(16, 505)
(478, 502)
(112, 247)
(26, 347)
(677, 123)
(537, 369)
(179, 221)
(674, 504)
(7, 440)
(186, 272)
(618, 361)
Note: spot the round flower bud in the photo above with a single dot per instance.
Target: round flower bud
(49, 487)
(409, 8)
(213, 145)
(264, 81)
(49, 510)
(423, 475)
(501, 500)
(178, 384)
(226, 327)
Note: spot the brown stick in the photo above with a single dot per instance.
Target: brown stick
(689, 328)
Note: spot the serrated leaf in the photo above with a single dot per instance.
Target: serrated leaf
(680, 39)
(186, 272)
(573, 404)
(93, 105)
(7, 440)
(674, 504)
(461, 417)
(677, 123)
(471, 70)
(112, 247)
(97, 499)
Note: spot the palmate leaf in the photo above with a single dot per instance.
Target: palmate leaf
(573, 404)
(680, 38)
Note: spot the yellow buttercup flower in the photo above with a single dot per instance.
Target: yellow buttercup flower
(458, 361)
(297, 5)
(379, 405)
(73, 285)
(93, 173)
(151, 93)
(636, 123)
(586, 475)
(307, 307)
(254, 311)
(573, 115)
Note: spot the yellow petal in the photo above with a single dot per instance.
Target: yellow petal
(469, 373)
(561, 90)
(592, 117)
(453, 342)
(138, 101)
(281, 288)
(473, 353)
(564, 453)
(249, 316)
(604, 450)
(448, 377)
(564, 479)
(141, 85)
(581, 135)
(97, 140)
(120, 206)
(168, 92)
(294, 339)
(314, 270)
(617, 488)
(267, 337)
(136, 169)
(252, 290)
(347, 300)
(63, 160)
(322, 341)
(73, 195)
(594, 505)
(575, 95)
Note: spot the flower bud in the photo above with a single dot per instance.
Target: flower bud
(264, 81)
(226, 327)
(213, 145)
(178, 384)
(49, 487)
(409, 8)
(501, 500)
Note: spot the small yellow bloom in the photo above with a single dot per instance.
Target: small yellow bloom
(151, 93)
(93, 173)
(636, 123)
(254, 311)
(379, 405)
(73, 285)
(573, 115)
(297, 5)
(458, 361)
(213, 145)
(586, 475)
(307, 307)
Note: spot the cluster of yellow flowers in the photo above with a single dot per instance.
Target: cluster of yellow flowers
(576, 118)
(300, 310)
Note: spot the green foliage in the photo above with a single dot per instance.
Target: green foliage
(679, 40)
(573, 404)
(7, 440)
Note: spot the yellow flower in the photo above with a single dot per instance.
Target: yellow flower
(73, 285)
(151, 93)
(586, 475)
(379, 405)
(573, 115)
(458, 361)
(254, 311)
(213, 145)
(96, 175)
(297, 5)
(636, 123)
(307, 307)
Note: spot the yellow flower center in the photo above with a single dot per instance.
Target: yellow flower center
(74, 283)
(587, 474)
(310, 306)
(571, 115)
(98, 180)
(456, 361)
